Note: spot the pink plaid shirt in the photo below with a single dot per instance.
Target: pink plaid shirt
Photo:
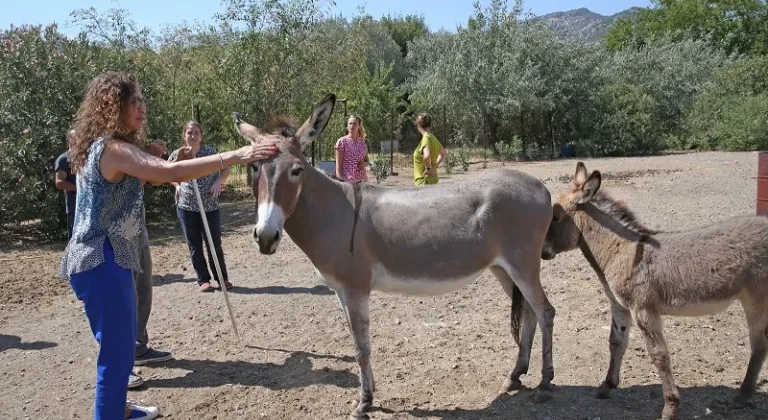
(354, 152)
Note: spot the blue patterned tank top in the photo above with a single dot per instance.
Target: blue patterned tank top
(104, 210)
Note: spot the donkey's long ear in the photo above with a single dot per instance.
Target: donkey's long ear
(590, 187)
(315, 124)
(580, 177)
(251, 133)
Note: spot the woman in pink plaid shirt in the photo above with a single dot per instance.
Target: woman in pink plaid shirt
(352, 152)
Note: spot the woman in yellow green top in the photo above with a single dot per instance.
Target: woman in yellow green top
(428, 154)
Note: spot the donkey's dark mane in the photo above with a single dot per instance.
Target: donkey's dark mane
(283, 126)
(619, 210)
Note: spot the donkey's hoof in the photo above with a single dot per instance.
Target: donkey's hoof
(669, 416)
(604, 392)
(542, 396)
(362, 408)
(739, 403)
(511, 385)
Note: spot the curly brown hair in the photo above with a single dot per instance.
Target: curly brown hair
(101, 115)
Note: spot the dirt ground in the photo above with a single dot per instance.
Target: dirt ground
(433, 358)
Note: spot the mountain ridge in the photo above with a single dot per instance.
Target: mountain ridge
(584, 24)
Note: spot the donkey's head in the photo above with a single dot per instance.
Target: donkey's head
(563, 234)
(277, 182)
(585, 209)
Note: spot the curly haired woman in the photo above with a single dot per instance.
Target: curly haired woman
(99, 261)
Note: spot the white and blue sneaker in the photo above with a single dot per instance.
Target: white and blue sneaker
(140, 412)
(135, 381)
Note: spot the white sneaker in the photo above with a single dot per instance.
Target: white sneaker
(140, 412)
(135, 381)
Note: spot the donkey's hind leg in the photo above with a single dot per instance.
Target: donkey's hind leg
(756, 311)
(356, 308)
(650, 325)
(525, 273)
(526, 328)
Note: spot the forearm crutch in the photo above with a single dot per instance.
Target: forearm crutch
(215, 256)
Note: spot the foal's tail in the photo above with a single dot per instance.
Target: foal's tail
(516, 313)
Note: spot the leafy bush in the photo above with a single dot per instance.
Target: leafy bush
(463, 157)
(380, 168)
(507, 150)
(451, 161)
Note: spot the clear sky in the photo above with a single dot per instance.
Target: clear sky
(155, 14)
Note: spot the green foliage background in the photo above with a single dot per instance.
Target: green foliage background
(683, 74)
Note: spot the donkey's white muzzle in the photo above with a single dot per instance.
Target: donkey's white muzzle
(269, 228)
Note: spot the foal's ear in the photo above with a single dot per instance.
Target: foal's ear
(580, 177)
(315, 124)
(591, 185)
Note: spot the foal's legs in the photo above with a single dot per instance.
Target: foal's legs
(649, 323)
(526, 336)
(757, 322)
(525, 272)
(621, 320)
(358, 319)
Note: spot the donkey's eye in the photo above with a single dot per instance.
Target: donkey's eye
(297, 171)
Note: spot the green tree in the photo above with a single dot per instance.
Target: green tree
(736, 26)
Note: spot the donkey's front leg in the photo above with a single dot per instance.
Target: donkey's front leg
(358, 319)
(649, 323)
(618, 341)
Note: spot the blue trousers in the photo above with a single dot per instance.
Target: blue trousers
(109, 294)
(194, 232)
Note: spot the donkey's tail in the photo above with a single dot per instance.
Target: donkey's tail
(516, 313)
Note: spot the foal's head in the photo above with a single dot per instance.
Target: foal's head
(563, 234)
(277, 182)
(584, 207)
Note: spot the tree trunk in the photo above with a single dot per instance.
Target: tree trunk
(522, 133)
(493, 128)
(552, 132)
